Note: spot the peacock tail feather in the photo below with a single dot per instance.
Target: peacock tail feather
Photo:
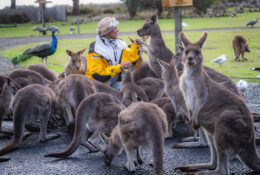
(21, 58)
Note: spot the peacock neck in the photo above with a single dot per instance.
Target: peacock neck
(54, 40)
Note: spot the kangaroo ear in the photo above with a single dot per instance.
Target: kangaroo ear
(162, 63)
(14, 87)
(202, 39)
(185, 39)
(69, 52)
(81, 52)
(154, 19)
(131, 39)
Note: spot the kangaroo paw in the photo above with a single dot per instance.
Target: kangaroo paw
(90, 147)
(130, 167)
(50, 137)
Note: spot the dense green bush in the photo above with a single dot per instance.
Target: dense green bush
(87, 10)
(14, 18)
(109, 11)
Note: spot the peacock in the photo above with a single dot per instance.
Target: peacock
(41, 50)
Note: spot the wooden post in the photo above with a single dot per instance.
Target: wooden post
(178, 26)
(177, 4)
(43, 6)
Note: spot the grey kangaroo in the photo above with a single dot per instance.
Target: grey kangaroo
(97, 113)
(72, 90)
(18, 79)
(130, 90)
(157, 49)
(221, 113)
(31, 103)
(42, 69)
(138, 125)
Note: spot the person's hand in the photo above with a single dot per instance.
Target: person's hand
(125, 64)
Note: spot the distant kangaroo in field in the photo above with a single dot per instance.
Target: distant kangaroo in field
(97, 113)
(240, 47)
(77, 64)
(42, 69)
(221, 113)
(138, 125)
(31, 103)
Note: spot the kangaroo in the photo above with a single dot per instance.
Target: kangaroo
(221, 113)
(6, 97)
(72, 90)
(77, 64)
(153, 87)
(157, 47)
(31, 103)
(166, 105)
(240, 47)
(97, 113)
(172, 87)
(140, 124)
(129, 89)
(42, 69)
(18, 79)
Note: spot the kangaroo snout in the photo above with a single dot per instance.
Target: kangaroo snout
(190, 60)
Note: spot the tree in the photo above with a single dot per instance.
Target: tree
(202, 5)
(132, 7)
(13, 4)
(75, 10)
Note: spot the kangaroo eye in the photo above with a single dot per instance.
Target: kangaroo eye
(197, 52)
(186, 52)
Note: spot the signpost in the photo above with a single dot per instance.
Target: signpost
(177, 4)
(43, 8)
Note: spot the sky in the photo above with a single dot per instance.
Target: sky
(4, 3)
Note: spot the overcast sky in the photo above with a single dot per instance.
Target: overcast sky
(4, 3)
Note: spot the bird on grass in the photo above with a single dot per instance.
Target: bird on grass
(40, 30)
(72, 28)
(252, 22)
(220, 60)
(255, 68)
(242, 86)
(41, 50)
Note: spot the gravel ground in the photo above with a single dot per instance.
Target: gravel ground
(29, 160)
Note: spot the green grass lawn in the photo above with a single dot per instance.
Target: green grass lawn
(218, 42)
(132, 25)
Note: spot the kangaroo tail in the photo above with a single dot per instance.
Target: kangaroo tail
(156, 144)
(18, 135)
(80, 129)
(249, 156)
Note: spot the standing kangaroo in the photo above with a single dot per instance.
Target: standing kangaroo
(240, 47)
(97, 113)
(77, 64)
(221, 113)
(72, 90)
(31, 103)
(157, 48)
(129, 89)
(140, 124)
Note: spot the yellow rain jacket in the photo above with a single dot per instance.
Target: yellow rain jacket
(102, 69)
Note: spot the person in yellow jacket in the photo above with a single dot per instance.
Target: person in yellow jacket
(108, 54)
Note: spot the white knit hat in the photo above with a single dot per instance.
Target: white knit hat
(106, 25)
